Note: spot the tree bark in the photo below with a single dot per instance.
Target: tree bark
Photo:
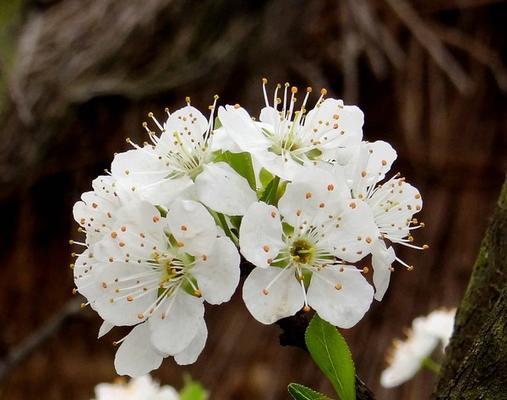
(476, 358)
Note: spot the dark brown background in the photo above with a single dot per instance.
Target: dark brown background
(79, 76)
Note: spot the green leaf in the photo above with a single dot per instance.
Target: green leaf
(241, 163)
(300, 392)
(192, 390)
(265, 177)
(221, 220)
(218, 123)
(331, 353)
(269, 196)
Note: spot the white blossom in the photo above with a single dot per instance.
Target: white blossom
(301, 250)
(96, 210)
(393, 204)
(180, 163)
(141, 388)
(158, 270)
(162, 228)
(96, 213)
(286, 138)
(406, 357)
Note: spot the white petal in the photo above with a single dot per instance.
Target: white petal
(269, 116)
(371, 162)
(182, 314)
(105, 328)
(131, 241)
(97, 210)
(144, 172)
(137, 167)
(382, 258)
(438, 323)
(136, 356)
(143, 217)
(223, 142)
(260, 234)
(407, 358)
(346, 306)
(351, 236)
(222, 189)
(184, 127)
(312, 197)
(121, 299)
(217, 273)
(285, 168)
(284, 297)
(240, 127)
(346, 123)
(192, 225)
(190, 354)
(86, 269)
(394, 205)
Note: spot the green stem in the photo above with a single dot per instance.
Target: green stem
(431, 365)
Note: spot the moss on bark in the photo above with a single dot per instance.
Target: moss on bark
(476, 359)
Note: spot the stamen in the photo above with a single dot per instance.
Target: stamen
(150, 115)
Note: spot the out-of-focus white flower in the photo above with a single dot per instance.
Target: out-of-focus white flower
(158, 270)
(393, 205)
(180, 164)
(407, 357)
(298, 251)
(141, 388)
(286, 139)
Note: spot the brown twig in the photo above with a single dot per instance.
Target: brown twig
(17, 355)
(433, 45)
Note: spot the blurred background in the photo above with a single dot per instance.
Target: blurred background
(78, 76)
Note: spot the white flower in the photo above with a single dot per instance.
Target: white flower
(285, 139)
(406, 357)
(141, 388)
(298, 251)
(96, 210)
(158, 270)
(180, 163)
(393, 204)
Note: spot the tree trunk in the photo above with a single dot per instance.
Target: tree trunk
(476, 359)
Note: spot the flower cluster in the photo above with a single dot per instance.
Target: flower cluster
(297, 192)
(407, 357)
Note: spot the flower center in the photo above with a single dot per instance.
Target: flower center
(302, 251)
(187, 161)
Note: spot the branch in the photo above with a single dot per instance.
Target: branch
(476, 358)
(430, 41)
(17, 355)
